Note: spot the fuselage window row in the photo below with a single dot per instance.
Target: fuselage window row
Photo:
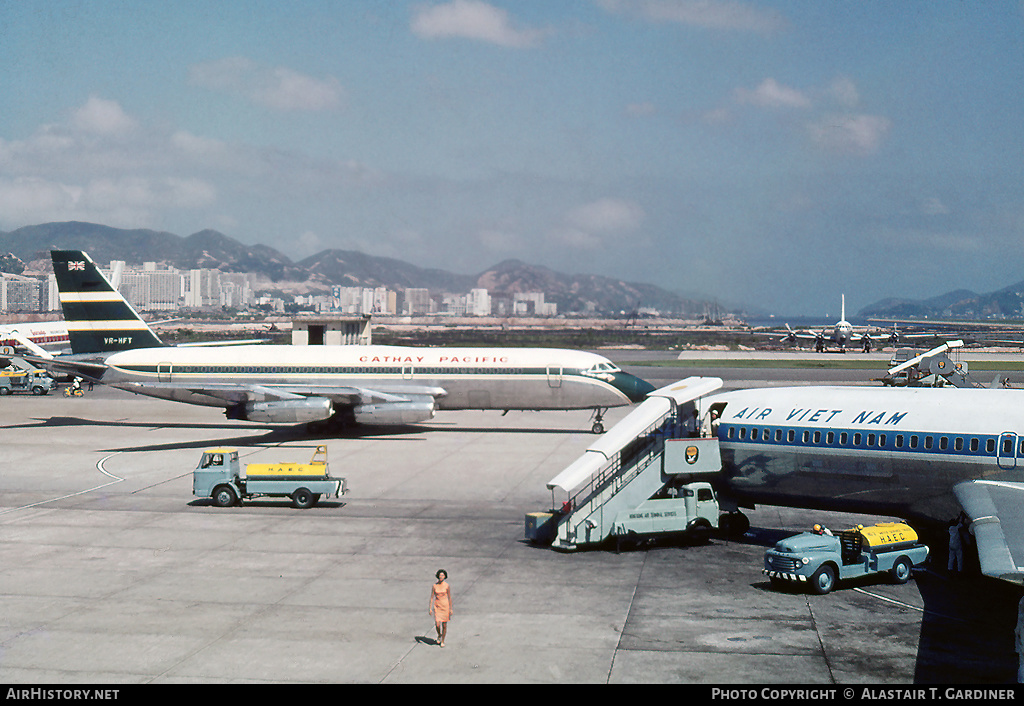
(857, 439)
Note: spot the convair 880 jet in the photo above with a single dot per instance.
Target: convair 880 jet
(312, 384)
(909, 452)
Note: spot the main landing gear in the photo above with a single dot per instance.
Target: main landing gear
(598, 419)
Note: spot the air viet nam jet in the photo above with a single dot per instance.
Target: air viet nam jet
(908, 452)
(317, 384)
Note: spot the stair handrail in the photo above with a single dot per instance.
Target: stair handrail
(615, 470)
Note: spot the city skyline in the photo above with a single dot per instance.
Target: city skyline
(765, 153)
(154, 288)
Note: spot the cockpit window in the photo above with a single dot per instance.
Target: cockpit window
(603, 368)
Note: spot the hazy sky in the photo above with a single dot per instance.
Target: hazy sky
(776, 154)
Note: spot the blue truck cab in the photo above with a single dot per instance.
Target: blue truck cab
(820, 559)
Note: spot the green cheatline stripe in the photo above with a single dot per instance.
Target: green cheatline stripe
(838, 364)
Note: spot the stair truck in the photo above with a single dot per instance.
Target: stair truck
(219, 476)
(648, 477)
(820, 559)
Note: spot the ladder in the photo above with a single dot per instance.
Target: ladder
(626, 466)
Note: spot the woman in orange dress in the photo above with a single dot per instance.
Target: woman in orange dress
(441, 606)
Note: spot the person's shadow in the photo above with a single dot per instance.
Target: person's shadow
(424, 640)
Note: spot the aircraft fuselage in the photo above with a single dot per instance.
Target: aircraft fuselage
(866, 449)
(461, 378)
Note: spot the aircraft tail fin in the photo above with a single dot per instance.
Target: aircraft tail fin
(98, 317)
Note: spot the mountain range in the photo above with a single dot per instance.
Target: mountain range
(1007, 302)
(28, 248)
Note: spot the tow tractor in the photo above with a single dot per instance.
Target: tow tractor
(820, 559)
(219, 476)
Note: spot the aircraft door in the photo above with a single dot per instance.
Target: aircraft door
(407, 371)
(1007, 450)
(554, 376)
(163, 372)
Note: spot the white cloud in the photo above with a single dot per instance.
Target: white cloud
(577, 239)
(103, 117)
(309, 243)
(128, 202)
(772, 94)
(196, 146)
(24, 198)
(851, 134)
(597, 224)
(103, 166)
(844, 92)
(278, 88)
(832, 125)
(708, 14)
(499, 241)
(290, 90)
(473, 19)
(606, 215)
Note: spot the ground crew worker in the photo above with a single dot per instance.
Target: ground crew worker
(955, 564)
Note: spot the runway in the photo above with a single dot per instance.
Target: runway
(113, 573)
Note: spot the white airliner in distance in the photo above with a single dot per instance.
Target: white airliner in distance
(843, 333)
(916, 453)
(37, 337)
(322, 384)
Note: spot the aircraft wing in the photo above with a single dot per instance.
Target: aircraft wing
(67, 365)
(792, 336)
(996, 509)
(208, 344)
(895, 335)
(340, 394)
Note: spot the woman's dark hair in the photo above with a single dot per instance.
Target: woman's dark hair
(439, 572)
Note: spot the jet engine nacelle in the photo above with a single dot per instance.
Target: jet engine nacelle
(311, 409)
(394, 412)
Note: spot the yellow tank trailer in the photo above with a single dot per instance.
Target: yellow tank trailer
(316, 469)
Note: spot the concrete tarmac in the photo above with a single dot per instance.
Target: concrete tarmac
(113, 573)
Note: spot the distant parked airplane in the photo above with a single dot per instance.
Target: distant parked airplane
(843, 332)
(38, 337)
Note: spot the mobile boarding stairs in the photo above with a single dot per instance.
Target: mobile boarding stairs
(648, 475)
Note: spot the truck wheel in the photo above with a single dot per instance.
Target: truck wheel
(901, 570)
(5, 391)
(699, 533)
(823, 580)
(303, 499)
(224, 496)
(734, 524)
(37, 390)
